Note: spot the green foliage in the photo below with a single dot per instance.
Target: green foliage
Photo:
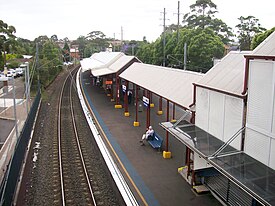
(66, 52)
(202, 15)
(50, 61)
(259, 38)
(202, 46)
(6, 39)
(247, 28)
(23, 47)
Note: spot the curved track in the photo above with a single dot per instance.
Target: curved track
(80, 183)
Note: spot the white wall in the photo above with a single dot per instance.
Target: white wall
(260, 132)
(200, 163)
(219, 114)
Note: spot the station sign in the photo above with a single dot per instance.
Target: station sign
(124, 88)
(146, 101)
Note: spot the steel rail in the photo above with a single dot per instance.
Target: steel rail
(79, 146)
(59, 144)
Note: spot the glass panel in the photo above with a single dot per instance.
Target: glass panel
(253, 174)
(203, 141)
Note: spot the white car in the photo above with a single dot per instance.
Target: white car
(3, 77)
(14, 74)
(19, 72)
(9, 74)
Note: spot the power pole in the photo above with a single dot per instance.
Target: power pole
(164, 19)
(185, 56)
(37, 65)
(114, 42)
(178, 21)
(121, 38)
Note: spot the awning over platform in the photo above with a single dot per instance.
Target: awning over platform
(99, 59)
(252, 176)
(176, 85)
(114, 66)
(197, 139)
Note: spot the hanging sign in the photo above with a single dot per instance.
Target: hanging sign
(124, 88)
(109, 82)
(145, 101)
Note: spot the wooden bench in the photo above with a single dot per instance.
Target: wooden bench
(155, 141)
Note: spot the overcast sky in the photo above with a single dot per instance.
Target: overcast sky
(138, 18)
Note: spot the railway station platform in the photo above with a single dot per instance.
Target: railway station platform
(153, 179)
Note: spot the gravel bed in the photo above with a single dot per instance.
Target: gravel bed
(40, 179)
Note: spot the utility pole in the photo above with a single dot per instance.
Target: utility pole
(185, 56)
(37, 66)
(163, 35)
(121, 38)
(114, 42)
(178, 21)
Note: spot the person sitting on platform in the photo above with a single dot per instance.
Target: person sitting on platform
(149, 133)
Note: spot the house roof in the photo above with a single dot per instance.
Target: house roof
(172, 84)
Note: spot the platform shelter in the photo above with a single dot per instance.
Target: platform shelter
(105, 68)
(172, 85)
(231, 144)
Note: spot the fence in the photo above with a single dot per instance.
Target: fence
(8, 186)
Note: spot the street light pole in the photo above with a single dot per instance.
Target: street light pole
(27, 85)
(14, 106)
(5, 62)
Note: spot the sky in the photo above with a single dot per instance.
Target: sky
(127, 19)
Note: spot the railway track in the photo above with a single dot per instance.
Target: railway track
(80, 175)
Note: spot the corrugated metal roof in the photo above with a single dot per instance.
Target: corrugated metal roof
(113, 66)
(228, 74)
(172, 84)
(267, 47)
(106, 57)
(99, 59)
(88, 63)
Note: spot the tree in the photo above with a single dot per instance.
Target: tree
(202, 15)
(66, 52)
(7, 38)
(203, 47)
(95, 35)
(202, 12)
(54, 38)
(247, 28)
(81, 42)
(259, 38)
(98, 41)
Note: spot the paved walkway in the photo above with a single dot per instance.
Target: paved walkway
(156, 179)
(8, 136)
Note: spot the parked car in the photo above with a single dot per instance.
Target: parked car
(19, 72)
(10, 74)
(3, 77)
(13, 73)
